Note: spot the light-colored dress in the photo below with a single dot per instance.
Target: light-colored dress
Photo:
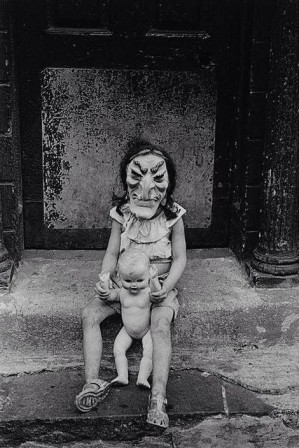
(150, 235)
(153, 237)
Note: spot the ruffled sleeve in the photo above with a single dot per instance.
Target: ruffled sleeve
(116, 216)
(181, 212)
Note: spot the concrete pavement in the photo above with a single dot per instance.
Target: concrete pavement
(235, 352)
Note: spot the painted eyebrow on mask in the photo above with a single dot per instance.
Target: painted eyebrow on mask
(137, 163)
(155, 169)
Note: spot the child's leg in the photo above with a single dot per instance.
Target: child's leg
(92, 316)
(121, 344)
(146, 363)
(161, 319)
(94, 390)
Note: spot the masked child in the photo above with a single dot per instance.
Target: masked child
(147, 218)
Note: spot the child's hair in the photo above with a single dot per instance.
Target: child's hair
(131, 259)
(133, 148)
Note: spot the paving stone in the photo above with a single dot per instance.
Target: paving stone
(242, 401)
(40, 407)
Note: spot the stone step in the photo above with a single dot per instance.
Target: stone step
(40, 407)
(225, 326)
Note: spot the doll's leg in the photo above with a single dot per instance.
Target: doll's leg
(146, 363)
(121, 344)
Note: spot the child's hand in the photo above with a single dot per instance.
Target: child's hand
(154, 280)
(159, 296)
(102, 292)
(102, 288)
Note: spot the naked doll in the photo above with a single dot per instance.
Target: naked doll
(138, 279)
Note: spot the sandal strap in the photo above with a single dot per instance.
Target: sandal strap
(158, 397)
(160, 400)
(100, 383)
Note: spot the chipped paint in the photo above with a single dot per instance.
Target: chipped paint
(89, 115)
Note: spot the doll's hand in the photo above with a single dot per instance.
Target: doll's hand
(159, 296)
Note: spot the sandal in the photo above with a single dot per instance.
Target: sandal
(89, 392)
(157, 411)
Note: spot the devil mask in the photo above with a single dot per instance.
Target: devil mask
(147, 181)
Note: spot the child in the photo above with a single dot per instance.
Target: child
(137, 277)
(146, 217)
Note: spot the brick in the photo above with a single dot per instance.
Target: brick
(5, 115)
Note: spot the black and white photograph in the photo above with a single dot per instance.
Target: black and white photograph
(149, 224)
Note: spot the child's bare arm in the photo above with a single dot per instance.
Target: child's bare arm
(110, 258)
(178, 264)
(112, 252)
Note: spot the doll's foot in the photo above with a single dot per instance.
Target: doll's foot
(120, 381)
(142, 382)
(157, 411)
(92, 394)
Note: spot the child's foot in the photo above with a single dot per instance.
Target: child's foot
(92, 394)
(157, 411)
(142, 382)
(120, 381)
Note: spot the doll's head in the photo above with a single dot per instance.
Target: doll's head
(134, 270)
(148, 176)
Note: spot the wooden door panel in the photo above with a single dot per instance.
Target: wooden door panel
(96, 73)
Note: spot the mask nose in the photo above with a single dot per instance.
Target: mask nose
(147, 185)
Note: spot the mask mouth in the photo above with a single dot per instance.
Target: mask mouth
(146, 204)
(138, 198)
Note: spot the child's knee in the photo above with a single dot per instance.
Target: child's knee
(92, 314)
(160, 326)
(161, 318)
(87, 316)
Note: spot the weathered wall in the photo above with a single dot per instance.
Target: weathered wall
(10, 171)
(89, 115)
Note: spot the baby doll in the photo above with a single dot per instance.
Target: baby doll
(138, 279)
